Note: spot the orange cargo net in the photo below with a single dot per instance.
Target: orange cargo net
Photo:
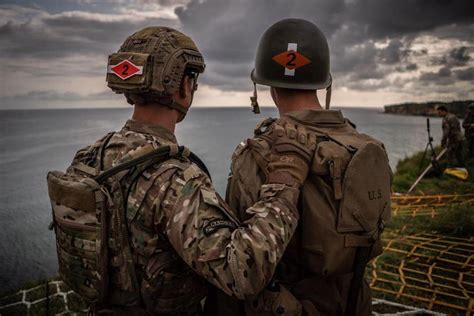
(427, 205)
(435, 272)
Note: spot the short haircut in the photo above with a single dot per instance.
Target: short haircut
(442, 108)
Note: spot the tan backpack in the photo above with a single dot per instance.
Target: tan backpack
(345, 203)
(89, 220)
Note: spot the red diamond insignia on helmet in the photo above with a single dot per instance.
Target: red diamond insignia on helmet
(291, 59)
(125, 69)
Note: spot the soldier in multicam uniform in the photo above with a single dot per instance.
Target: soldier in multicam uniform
(468, 125)
(322, 269)
(181, 232)
(452, 137)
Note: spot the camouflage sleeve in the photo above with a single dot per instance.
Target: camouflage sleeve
(238, 259)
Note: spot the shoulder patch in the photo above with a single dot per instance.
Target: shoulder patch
(216, 224)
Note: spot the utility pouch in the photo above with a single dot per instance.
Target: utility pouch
(367, 191)
(79, 221)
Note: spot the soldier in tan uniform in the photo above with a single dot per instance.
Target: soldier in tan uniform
(175, 235)
(344, 202)
(452, 137)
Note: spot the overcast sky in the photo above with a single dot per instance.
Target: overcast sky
(53, 53)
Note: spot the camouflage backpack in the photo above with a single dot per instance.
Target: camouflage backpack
(89, 220)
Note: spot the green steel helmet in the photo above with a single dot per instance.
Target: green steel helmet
(153, 62)
(294, 54)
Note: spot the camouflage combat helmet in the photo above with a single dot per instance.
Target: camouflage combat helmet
(152, 63)
(294, 54)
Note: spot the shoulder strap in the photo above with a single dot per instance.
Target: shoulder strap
(195, 159)
(100, 153)
(159, 153)
(362, 257)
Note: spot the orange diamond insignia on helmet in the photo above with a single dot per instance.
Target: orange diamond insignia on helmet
(291, 59)
(125, 69)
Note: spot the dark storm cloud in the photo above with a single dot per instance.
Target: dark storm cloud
(228, 32)
(442, 77)
(460, 56)
(394, 53)
(52, 98)
(372, 42)
(411, 67)
(466, 74)
(71, 33)
(391, 18)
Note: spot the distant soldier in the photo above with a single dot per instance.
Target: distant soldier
(452, 137)
(344, 202)
(468, 125)
(141, 237)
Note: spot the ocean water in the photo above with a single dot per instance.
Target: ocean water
(36, 141)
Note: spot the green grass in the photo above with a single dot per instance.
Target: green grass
(408, 171)
(453, 220)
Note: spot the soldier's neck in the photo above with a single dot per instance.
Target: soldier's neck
(299, 103)
(156, 114)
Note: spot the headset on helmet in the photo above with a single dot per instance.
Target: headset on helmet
(294, 54)
(153, 62)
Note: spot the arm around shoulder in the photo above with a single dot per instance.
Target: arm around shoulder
(238, 258)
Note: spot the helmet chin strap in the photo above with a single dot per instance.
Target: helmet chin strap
(253, 100)
(328, 97)
(172, 104)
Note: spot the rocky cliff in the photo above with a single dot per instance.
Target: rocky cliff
(428, 108)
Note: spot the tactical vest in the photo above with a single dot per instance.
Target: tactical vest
(92, 222)
(344, 206)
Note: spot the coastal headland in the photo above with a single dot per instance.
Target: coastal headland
(459, 108)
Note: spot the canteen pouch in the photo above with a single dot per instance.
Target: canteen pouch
(78, 207)
(345, 202)
(126, 76)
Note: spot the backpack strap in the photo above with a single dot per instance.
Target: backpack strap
(361, 259)
(163, 152)
(100, 153)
